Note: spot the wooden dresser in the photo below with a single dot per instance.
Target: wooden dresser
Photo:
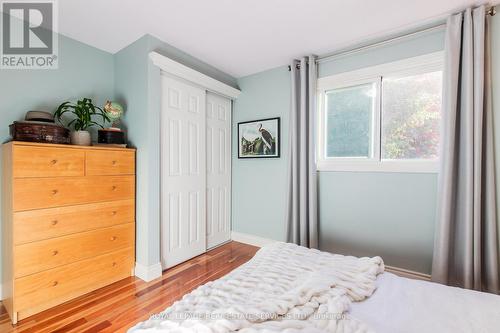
(68, 222)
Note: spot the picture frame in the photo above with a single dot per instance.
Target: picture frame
(259, 138)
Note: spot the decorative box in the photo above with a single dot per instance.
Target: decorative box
(38, 131)
(111, 136)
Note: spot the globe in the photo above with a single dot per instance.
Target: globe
(114, 111)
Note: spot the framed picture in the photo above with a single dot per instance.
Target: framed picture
(259, 138)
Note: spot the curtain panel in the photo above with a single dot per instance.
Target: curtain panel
(466, 244)
(302, 207)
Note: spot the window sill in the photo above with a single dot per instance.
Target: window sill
(377, 166)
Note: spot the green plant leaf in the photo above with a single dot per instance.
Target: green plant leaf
(82, 110)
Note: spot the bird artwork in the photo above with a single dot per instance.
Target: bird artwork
(259, 138)
(267, 138)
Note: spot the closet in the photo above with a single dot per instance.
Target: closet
(195, 169)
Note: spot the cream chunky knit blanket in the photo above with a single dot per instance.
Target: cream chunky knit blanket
(284, 288)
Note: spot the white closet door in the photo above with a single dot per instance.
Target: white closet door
(183, 183)
(218, 169)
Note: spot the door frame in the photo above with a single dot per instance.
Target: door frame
(176, 70)
(181, 71)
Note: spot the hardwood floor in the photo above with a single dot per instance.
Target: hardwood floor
(119, 306)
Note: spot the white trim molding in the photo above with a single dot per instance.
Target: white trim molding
(260, 241)
(186, 73)
(407, 273)
(251, 239)
(148, 273)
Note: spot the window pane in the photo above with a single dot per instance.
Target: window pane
(349, 123)
(411, 111)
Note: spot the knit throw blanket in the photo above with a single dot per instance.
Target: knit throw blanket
(283, 288)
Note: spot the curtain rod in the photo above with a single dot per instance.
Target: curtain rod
(490, 11)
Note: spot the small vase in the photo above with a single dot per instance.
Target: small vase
(80, 138)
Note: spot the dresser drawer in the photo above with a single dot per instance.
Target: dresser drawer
(39, 256)
(47, 162)
(36, 193)
(41, 291)
(35, 225)
(99, 162)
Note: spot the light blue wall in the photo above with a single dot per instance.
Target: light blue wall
(258, 184)
(428, 42)
(83, 71)
(131, 89)
(386, 214)
(360, 213)
(138, 87)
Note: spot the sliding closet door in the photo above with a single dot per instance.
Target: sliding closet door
(183, 163)
(218, 169)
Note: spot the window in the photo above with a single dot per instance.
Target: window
(349, 121)
(383, 118)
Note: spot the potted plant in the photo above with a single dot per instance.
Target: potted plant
(84, 111)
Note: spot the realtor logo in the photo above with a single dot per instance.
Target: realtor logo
(28, 35)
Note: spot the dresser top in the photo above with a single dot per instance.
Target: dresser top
(53, 145)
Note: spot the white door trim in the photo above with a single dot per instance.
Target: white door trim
(177, 69)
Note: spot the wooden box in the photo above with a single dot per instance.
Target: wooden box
(39, 132)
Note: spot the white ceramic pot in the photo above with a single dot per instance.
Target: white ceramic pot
(80, 138)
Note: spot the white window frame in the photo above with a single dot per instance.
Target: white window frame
(407, 67)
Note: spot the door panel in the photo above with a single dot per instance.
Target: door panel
(218, 169)
(183, 184)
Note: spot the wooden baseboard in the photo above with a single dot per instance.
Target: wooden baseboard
(260, 241)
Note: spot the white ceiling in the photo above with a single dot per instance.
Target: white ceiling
(242, 37)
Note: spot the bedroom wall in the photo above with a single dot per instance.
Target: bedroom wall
(137, 86)
(84, 71)
(387, 214)
(258, 200)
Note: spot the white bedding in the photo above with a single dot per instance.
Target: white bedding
(401, 305)
(284, 279)
(283, 288)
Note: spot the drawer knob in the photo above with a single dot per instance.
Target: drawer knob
(113, 213)
(54, 192)
(114, 264)
(55, 283)
(113, 188)
(53, 162)
(113, 162)
(113, 238)
(55, 222)
(55, 252)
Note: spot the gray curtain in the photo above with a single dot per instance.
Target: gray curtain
(466, 244)
(302, 210)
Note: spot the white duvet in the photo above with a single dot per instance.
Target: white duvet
(284, 288)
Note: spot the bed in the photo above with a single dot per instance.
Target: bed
(288, 288)
(405, 305)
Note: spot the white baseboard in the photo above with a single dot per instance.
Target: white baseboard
(148, 273)
(407, 273)
(250, 239)
(259, 241)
